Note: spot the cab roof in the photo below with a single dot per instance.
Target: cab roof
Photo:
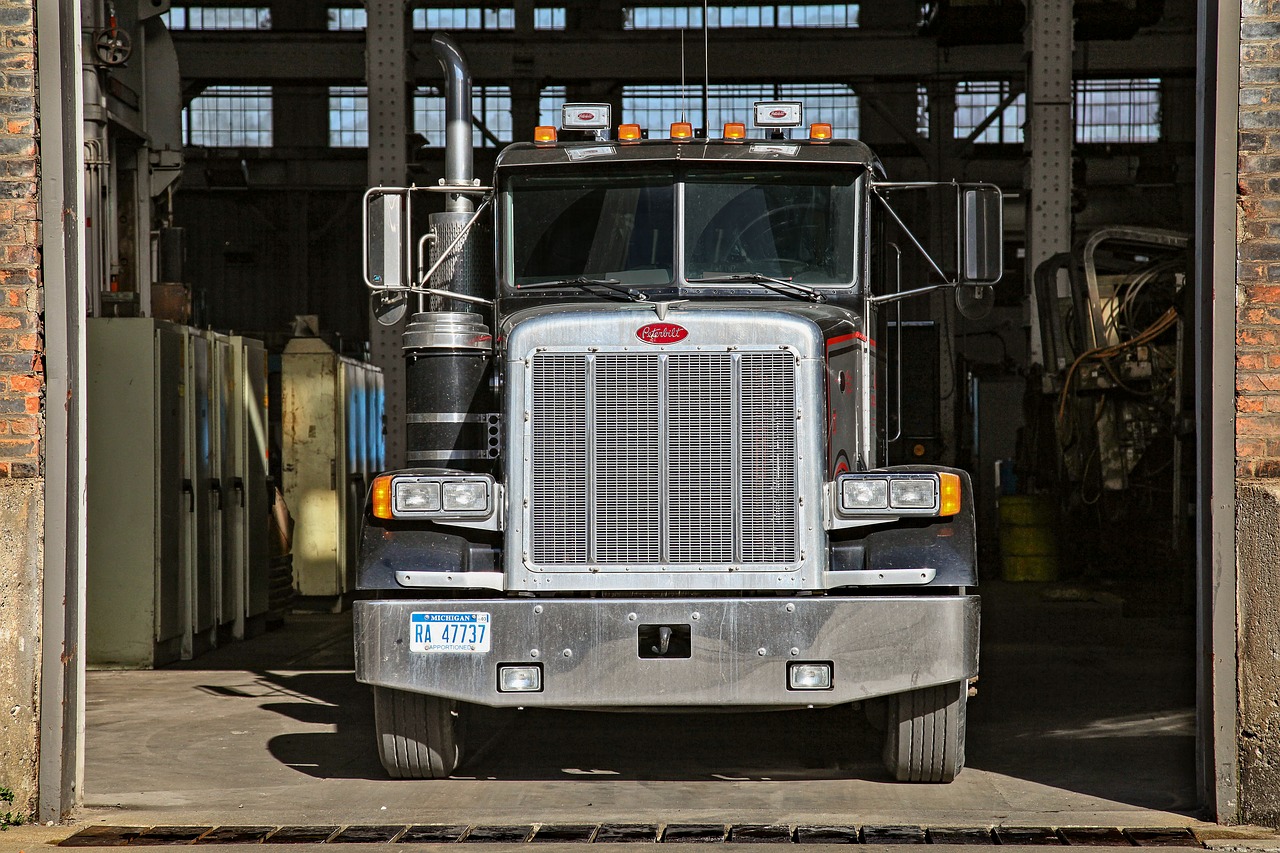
(837, 152)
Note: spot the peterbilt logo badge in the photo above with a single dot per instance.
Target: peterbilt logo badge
(586, 116)
(662, 333)
(778, 113)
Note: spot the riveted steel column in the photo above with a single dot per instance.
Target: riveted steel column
(386, 69)
(61, 106)
(1217, 680)
(1049, 136)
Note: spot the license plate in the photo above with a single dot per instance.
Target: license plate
(448, 632)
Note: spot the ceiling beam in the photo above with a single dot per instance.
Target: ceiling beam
(337, 58)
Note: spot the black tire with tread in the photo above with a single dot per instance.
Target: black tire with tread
(924, 733)
(418, 736)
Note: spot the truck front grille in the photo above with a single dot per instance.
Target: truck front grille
(683, 458)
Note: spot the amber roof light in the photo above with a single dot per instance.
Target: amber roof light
(734, 131)
(820, 132)
(544, 133)
(681, 130)
(629, 133)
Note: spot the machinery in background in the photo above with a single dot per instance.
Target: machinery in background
(1112, 426)
(133, 160)
(177, 491)
(331, 415)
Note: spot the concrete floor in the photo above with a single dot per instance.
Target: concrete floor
(1084, 717)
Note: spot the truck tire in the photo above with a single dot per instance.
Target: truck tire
(924, 733)
(418, 736)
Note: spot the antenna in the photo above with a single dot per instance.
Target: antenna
(684, 93)
(706, 74)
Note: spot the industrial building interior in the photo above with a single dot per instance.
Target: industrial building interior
(237, 386)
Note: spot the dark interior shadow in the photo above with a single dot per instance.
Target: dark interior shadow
(1079, 691)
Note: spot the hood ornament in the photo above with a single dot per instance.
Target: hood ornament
(661, 308)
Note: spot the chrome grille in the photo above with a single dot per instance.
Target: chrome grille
(685, 458)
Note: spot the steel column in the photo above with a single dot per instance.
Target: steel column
(1049, 44)
(62, 226)
(386, 64)
(1217, 120)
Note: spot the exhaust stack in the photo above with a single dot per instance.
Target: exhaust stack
(452, 415)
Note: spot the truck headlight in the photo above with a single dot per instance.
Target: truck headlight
(857, 493)
(440, 496)
(913, 494)
(414, 496)
(467, 496)
(883, 494)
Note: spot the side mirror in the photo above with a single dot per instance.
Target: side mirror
(981, 220)
(384, 230)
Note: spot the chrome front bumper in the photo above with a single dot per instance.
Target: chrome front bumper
(740, 648)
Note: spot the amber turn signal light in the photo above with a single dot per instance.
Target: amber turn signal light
(948, 494)
(382, 496)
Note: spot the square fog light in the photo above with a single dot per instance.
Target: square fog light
(809, 676)
(524, 678)
(913, 494)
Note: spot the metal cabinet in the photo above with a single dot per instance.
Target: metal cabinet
(136, 614)
(177, 491)
(331, 420)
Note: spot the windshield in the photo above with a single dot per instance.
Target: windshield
(793, 225)
(615, 227)
(583, 229)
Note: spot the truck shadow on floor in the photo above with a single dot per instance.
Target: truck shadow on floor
(541, 745)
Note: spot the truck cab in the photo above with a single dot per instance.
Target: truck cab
(645, 444)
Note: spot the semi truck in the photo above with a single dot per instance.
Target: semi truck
(649, 381)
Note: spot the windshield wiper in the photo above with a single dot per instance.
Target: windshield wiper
(583, 283)
(778, 285)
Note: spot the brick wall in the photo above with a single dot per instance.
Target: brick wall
(21, 369)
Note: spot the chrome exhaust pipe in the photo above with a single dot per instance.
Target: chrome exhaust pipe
(458, 164)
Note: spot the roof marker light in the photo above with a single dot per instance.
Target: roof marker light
(681, 131)
(629, 133)
(544, 134)
(734, 131)
(820, 132)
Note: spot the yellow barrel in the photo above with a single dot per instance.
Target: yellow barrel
(1028, 548)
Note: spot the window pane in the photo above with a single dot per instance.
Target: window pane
(1117, 110)
(720, 17)
(347, 19)
(229, 117)
(218, 18)
(977, 100)
(348, 117)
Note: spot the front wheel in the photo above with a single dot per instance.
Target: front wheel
(418, 736)
(924, 733)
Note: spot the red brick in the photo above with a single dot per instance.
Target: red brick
(1251, 404)
(1258, 337)
(23, 426)
(1262, 293)
(1263, 425)
(26, 383)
